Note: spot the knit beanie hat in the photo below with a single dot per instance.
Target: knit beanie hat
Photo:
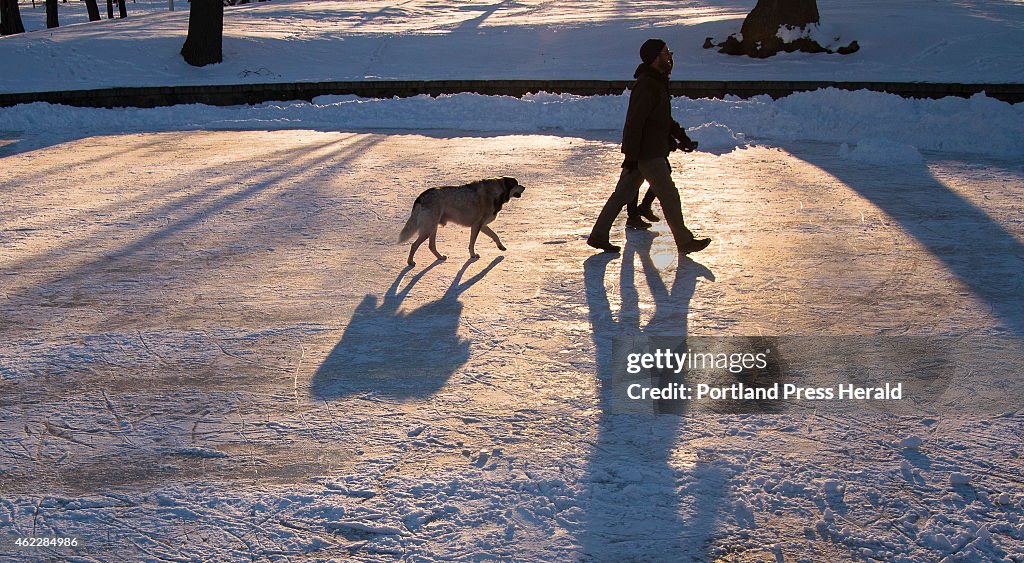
(651, 49)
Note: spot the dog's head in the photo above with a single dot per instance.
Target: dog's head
(512, 187)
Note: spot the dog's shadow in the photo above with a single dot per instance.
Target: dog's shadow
(397, 354)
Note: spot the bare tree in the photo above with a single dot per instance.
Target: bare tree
(203, 45)
(10, 18)
(760, 34)
(122, 10)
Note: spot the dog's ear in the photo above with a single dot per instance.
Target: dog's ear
(510, 182)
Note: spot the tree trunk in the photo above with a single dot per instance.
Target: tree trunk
(763, 22)
(760, 31)
(205, 33)
(122, 9)
(10, 18)
(93, 9)
(110, 9)
(51, 14)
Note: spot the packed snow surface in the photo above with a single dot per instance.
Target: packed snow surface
(211, 347)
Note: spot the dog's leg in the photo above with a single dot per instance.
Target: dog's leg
(472, 242)
(415, 246)
(494, 236)
(433, 246)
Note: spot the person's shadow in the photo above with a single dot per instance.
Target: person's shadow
(397, 354)
(632, 495)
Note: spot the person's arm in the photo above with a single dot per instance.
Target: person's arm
(683, 141)
(641, 103)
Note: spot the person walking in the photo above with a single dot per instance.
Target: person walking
(648, 136)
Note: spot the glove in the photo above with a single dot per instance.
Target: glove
(681, 142)
(686, 144)
(629, 164)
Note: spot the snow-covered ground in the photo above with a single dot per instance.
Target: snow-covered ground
(212, 348)
(324, 40)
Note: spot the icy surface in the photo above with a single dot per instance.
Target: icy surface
(212, 349)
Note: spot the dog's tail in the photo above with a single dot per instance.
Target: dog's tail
(412, 226)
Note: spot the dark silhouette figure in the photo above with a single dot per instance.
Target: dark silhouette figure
(394, 353)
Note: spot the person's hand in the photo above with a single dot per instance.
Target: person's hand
(687, 145)
(629, 164)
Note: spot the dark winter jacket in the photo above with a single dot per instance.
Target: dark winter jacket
(650, 131)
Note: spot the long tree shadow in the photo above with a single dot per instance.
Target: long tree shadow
(486, 12)
(635, 508)
(125, 270)
(975, 248)
(388, 352)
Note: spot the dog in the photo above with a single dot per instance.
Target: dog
(472, 205)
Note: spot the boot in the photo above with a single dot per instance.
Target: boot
(695, 245)
(603, 245)
(635, 222)
(646, 213)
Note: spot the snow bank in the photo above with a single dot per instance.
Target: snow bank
(716, 136)
(874, 122)
(882, 152)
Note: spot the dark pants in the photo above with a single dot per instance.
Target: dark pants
(658, 174)
(633, 208)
